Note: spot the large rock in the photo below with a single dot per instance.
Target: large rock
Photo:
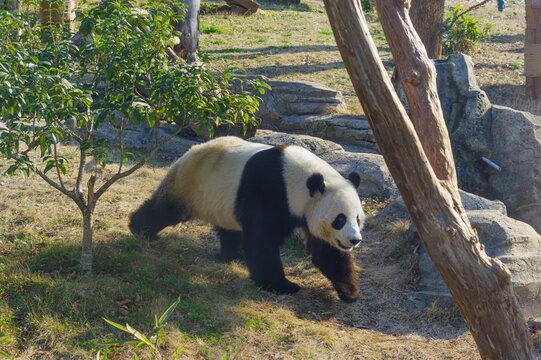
(293, 98)
(516, 147)
(513, 242)
(397, 207)
(375, 177)
(466, 110)
(316, 145)
(346, 129)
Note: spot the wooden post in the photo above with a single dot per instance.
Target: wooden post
(532, 51)
(423, 170)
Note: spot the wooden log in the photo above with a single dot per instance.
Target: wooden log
(250, 6)
(480, 285)
(532, 51)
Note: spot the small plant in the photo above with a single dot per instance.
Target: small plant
(52, 91)
(368, 6)
(141, 341)
(4, 339)
(463, 33)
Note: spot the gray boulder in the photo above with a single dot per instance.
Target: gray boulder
(316, 145)
(347, 129)
(293, 98)
(397, 207)
(513, 242)
(466, 110)
(516, 147)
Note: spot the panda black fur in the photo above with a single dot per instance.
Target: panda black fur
(256, 195)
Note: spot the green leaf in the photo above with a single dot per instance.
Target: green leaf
(140, 336)
(168, 312)
(118, 326)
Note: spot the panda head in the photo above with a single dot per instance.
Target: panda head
(335, 214)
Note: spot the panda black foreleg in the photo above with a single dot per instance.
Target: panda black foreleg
(262, 255)
(338, 266)
(230, 245)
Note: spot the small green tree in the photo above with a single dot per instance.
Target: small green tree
(52, 91)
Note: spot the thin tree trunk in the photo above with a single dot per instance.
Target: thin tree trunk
(532, 50)
(58, 13)
(480, 285)
(86, 251)
(427, 18)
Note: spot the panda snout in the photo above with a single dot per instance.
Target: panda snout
(355, 242)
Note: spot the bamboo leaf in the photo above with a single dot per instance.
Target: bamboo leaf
(118, 326)
(139, 336)
(168, 312)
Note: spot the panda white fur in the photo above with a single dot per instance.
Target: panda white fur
(256, 195)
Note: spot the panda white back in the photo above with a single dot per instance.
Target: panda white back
(207, 177)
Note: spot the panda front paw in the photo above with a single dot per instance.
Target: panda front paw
(347, 292)
(284, 287)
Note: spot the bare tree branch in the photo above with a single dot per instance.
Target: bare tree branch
(137, 166)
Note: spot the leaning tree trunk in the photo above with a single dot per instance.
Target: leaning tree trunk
(425, 175)
(532, 50)
(427, 18)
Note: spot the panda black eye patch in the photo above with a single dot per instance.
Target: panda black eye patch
(339, 222)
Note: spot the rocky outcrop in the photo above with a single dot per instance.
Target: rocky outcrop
(467, 112)
(302, 107)
(480, 131)
(513, 242)
(397, 207)
(516, 147)
(347, 129)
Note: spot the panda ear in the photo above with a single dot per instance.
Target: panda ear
(355, 179)
(315, 183)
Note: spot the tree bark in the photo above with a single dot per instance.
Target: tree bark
(427, 18)
(480, 285)
(532, 51)
(55, 13)
(189, 28)
(85, 267)
(9, 5)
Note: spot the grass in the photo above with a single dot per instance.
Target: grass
(53, 314)
(312, 54)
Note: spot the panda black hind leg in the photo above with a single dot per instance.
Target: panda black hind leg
(338, 266)
(230, 245)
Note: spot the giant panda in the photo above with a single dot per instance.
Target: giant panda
(256, 195)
